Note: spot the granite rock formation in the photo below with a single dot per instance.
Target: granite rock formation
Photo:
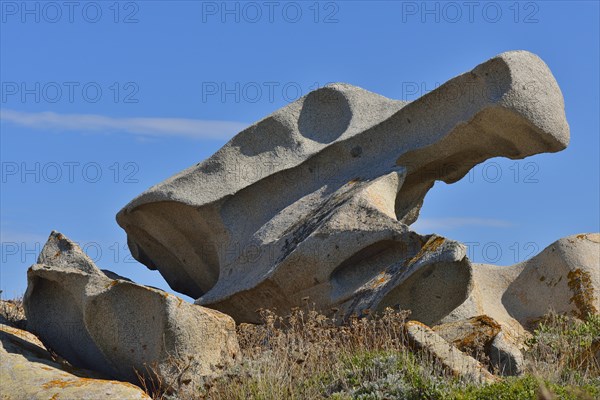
(316, 200)
(121, 329)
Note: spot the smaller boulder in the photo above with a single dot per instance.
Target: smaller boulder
(28, 371)
(471, 335)
(121, 329)
(422, 338)
(505, 356)
(485, 339)
(564, 278)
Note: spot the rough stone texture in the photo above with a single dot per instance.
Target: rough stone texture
(116, 326)
(27, 371)
(564, 277)
(470, 335)
(315, 200)
(505, 356)
(423, 338)
(483, 336)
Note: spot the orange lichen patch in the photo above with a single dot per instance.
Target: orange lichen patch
(380, 280)
(580, 283)
(179, 301)
(30, 337)
(354, 181)
(416, 323)
(471, 334)
(79, 382)
(581, 236)
(488, 321)
(112, 283)
(160, 292)
(484, 331)
(432, 244)
(63, 383)
(54, 396)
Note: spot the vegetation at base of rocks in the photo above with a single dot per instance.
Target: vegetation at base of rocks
(565, 350)
(158, 385)
(305, 355)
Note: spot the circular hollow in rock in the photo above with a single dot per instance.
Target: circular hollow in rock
(325, 115)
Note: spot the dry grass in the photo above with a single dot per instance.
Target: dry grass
(563, 350)
(306, 355)
(165, 384)
(13, 313)
(302, 354)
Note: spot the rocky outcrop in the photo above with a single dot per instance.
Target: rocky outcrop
(316, 199)
(483, 338)
(119, 328)
(564, 278)
(28, 371)
(422, 338)
(471, 335)
(506, 358)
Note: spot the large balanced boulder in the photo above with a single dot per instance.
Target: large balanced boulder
(28, 371)
(119, 328)
(316, 199)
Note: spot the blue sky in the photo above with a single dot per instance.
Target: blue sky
(100, 100)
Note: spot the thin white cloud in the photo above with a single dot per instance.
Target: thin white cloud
(149, 127)
(458, 222)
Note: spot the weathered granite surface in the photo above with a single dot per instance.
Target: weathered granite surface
(316, 199)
